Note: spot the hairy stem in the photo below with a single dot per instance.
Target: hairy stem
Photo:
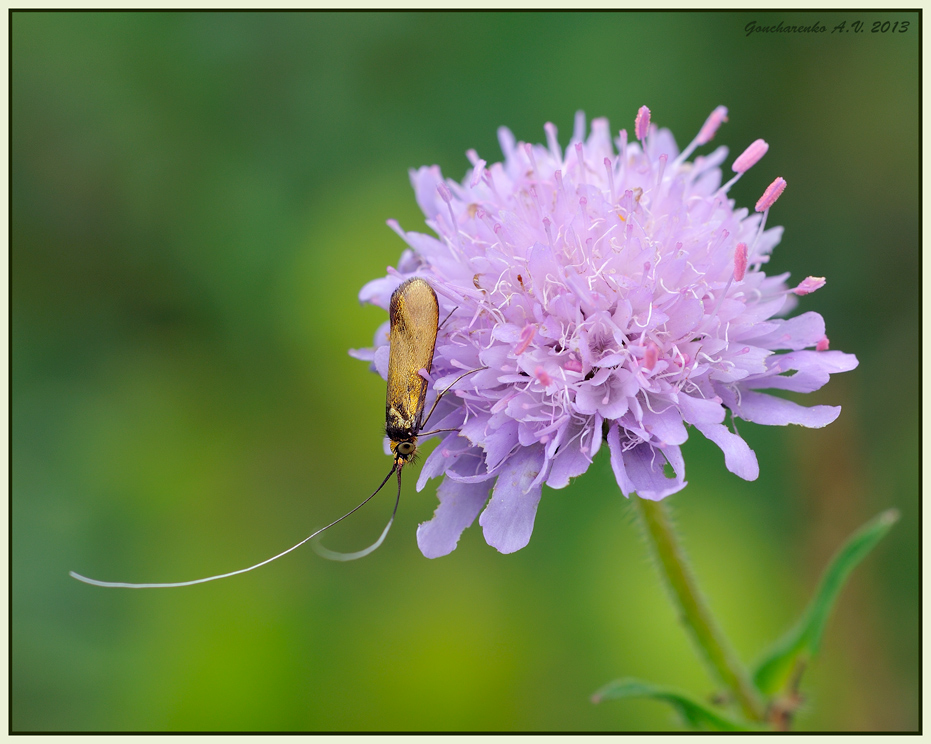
(694, 612)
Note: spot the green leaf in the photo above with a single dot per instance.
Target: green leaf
(697, 715)
(791, 653)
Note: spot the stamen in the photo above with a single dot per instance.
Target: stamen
(642, 123)
(622, 149)
(448, 198)
(809, 285)
(526, 336)
(528, 148)
(750, 157)
(477, 173)
(557, 176)
(610, 171)
(706, 133)
(823, 345)
(651, 357)
(659, 172)
(773, 191)
(488, 178)
(572, 365)
(552, 142)
(710, 127)
(578, 126)
(740, 261)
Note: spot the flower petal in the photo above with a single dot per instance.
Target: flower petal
(378, 291)
(442, 458)
(800, 332)
(738, 457)
(380, 360)
(812, 370)
(425, 180)
(640, 468)
(773, 411)
(617, 462)
(459, 504)
(666, 425)
(499, 443)
(508, 519)
(570, 461)
(700, 410)
(644, 465)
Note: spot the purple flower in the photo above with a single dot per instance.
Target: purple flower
(607, 295)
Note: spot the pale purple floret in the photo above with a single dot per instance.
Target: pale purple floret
(608, 295)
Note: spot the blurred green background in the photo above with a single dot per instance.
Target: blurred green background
(197, 199)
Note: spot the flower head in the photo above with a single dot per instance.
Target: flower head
(603, 296)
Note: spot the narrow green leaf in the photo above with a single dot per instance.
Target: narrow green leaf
(792, 652)
(697, 715)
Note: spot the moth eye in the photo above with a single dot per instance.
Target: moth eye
(406, 448)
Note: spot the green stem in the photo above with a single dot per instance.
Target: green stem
(693, 610)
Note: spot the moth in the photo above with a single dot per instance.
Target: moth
(414, 315)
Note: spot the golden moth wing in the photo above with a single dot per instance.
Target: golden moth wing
(414, 314)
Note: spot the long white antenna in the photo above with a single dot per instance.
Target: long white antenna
(123, 585)
(333, 555)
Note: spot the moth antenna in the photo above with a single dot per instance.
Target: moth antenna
(435, 431)
(120, 584)
(333, 555)
(448, 317)
(438, 397)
